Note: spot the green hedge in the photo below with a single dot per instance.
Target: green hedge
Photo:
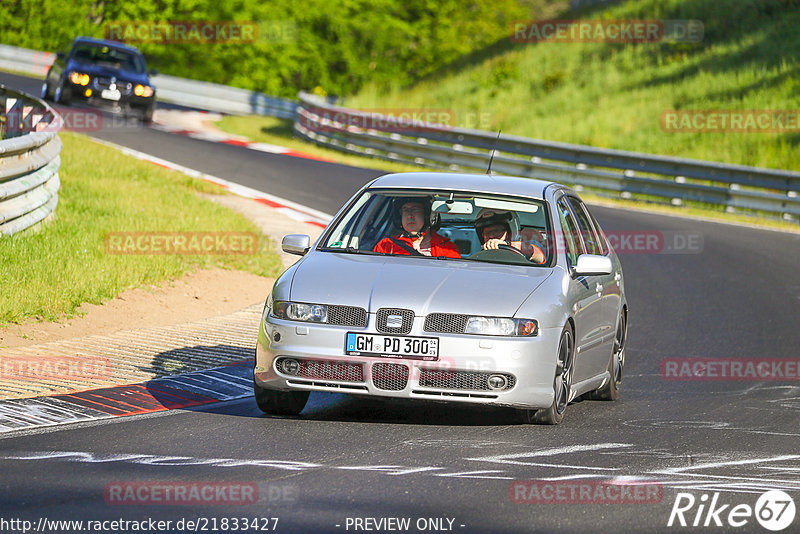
(333, 46)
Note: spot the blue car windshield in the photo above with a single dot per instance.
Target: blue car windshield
(96, 54)
(445, 225)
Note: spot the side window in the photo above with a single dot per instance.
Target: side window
(600, 234)
(590, 237)
(570, 231)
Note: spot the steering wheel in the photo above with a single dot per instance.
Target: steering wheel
(506, 252)
(512, 249)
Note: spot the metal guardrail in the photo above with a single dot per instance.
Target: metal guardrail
(610, 172)
(25, 60)
(216, 97)
(607, 172)
(29, 160)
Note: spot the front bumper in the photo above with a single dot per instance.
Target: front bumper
(126, 102)
(460, 375)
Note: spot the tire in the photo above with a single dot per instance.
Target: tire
(616, 364)
(62, 96)
(562, 384)
(280, 402)
(45, 93)
(146, 117)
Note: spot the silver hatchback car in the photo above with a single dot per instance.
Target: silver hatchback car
(452, 287)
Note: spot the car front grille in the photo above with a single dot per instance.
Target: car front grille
(347, 316)
(328, 370)
(389, 376)
(101, 83)
(462, 380)
(382, 316)
(446, 323)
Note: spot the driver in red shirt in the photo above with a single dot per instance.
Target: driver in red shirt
(418, 236)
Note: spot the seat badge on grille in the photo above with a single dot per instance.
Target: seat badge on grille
(394, 321)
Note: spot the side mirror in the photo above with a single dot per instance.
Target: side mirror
(152, 72)
(61, 55)
(592, 264)
(296, 244)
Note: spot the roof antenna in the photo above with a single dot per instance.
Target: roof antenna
(491, 154)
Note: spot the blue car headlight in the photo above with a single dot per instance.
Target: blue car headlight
(300, 311)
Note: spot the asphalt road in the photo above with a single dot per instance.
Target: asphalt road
(346, 459)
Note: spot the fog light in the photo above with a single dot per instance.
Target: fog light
(276, 336)
(496, 382)
(290, 367)
(87, 93)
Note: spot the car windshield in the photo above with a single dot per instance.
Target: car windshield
(108, 56)
(457, 226)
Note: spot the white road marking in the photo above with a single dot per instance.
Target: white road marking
(475, 474)
(389, 469)
(511, 459)
(676, 470)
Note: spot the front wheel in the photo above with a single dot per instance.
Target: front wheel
(146, 116)
(62, 95)
(280, 402)
(562, 384)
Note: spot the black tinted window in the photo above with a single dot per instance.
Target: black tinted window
(108, 55)
(590, 237)
(570, 230)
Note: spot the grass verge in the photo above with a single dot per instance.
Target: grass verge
(48, 273)
(615, 95)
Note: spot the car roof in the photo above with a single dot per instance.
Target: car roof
(105, 42)
(450, 181)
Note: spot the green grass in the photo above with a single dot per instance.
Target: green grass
(47, 274)
(613, 95)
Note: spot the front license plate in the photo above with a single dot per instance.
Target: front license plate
(110, 94)
(415, 348)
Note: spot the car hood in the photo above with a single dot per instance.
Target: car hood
(93, 69)
(420, 284)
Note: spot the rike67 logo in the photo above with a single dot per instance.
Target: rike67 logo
(774, 510)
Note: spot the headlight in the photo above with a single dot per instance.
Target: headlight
(501, 326)
(298, 311)
(143, 90)
(79, 78)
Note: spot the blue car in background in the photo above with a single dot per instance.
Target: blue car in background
(104, 74)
